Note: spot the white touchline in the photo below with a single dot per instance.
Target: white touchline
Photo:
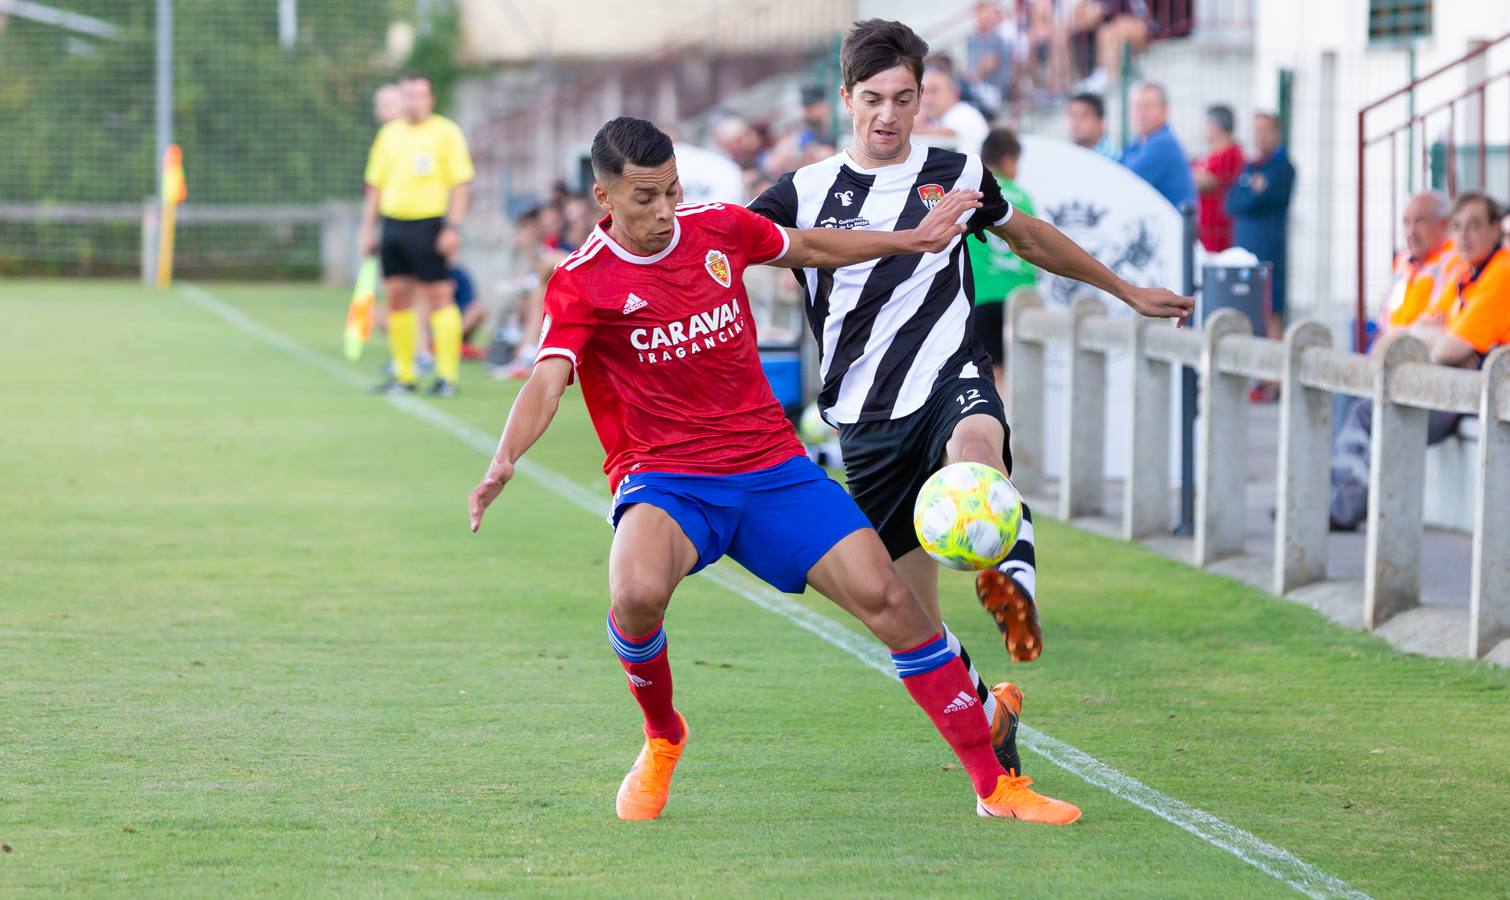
(1274, 861)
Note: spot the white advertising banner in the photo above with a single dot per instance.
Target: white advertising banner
(1126, 224)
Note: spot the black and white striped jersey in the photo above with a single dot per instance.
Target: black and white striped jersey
(890, 330)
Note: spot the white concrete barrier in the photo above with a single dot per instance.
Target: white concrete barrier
(1398, 380)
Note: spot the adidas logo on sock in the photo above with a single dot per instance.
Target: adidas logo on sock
(962, 701)
(637, 681)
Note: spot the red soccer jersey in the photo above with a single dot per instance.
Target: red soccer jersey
(664, 346)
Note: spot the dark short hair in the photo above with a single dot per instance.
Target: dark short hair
(875, 45)
(628, 141)
(1000, 142)
(413, 76)
(1491, 206)
(1094, 101)
(1221, 116)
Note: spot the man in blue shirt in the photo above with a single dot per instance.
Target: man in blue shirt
(1155, 154)
(1259, 204)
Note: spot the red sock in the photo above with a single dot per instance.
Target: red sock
(649, 673)
(940, 684)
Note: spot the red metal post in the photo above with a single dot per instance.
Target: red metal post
(1359, 331)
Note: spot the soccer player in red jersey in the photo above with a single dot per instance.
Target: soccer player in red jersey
(651, 316)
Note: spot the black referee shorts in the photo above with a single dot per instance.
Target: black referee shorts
(408, 248)
(887, 462)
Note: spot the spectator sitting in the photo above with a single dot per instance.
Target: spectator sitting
(1156, 155)
(1479, 320)
(988, 59)
(947, 120)
(1426, 271)
(1214, 175)
(1087, 124)
(1505, 230)
(817, 117)
(1260, 206)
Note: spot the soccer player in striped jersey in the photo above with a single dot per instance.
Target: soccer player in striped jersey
(651, 316)
(903, 375)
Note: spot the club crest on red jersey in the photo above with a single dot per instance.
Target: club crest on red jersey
(930, 194)
(718, 266)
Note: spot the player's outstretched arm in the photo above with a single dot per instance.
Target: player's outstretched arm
(830, 248)
(1045, 246)
(531, 414)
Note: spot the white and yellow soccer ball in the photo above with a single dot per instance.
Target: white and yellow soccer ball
(812, 430)
(967, 516)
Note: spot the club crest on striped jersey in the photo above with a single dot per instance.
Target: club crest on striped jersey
(718, 266)
(931, 194)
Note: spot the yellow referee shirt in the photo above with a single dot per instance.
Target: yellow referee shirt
(414, 167)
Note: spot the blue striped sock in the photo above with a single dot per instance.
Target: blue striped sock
(924, 658)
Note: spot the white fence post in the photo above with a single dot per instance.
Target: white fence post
(1145, 500)
(1221, 468)
(1082, 485)
(1396, 490)
(1489, 604)
(1304, 483)
(1024, 398)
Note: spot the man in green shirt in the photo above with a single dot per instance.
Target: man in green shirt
(997, 270)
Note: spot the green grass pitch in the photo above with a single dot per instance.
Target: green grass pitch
(248, 646)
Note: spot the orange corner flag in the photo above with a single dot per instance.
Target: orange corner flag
(175, 188)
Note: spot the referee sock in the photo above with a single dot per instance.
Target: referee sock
(939, 683)
(403, 335)
(1021, 564)
(445, 329)
(649, 673)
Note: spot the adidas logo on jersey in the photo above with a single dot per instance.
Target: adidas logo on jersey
(634, 304)
(961, 702)
(637, 681)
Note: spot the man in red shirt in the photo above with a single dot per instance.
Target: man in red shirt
(652, 317)
(1214, 175)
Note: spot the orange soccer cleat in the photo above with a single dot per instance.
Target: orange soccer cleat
(1014, 798)
(1004, 726)
(1015, 614)
(648, 785)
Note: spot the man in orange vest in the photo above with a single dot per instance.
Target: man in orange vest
(1426, 271)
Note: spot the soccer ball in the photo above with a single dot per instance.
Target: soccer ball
(813, 430)
(967, 516)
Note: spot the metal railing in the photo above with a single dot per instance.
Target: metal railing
(1396, 377)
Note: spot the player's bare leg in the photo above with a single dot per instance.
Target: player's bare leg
(445, 331)
(403, 331)
(855, 575)
(1006, 591)
(650, 556)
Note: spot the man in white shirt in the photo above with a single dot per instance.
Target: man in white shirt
(949, 121)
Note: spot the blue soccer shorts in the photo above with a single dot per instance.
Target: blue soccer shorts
(776, 522)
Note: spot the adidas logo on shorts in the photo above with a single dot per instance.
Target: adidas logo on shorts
(962, 701)
(637, 681)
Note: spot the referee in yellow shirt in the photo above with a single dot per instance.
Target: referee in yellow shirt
(417, 177)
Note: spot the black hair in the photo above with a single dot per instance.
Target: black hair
(1000, 142)
(628, 141)
(875, 45)
(1221, 116)
(1094, 101)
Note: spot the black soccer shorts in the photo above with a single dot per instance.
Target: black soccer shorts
(887, 462)
(408, 248)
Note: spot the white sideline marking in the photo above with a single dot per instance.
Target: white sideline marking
(1273, 861)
